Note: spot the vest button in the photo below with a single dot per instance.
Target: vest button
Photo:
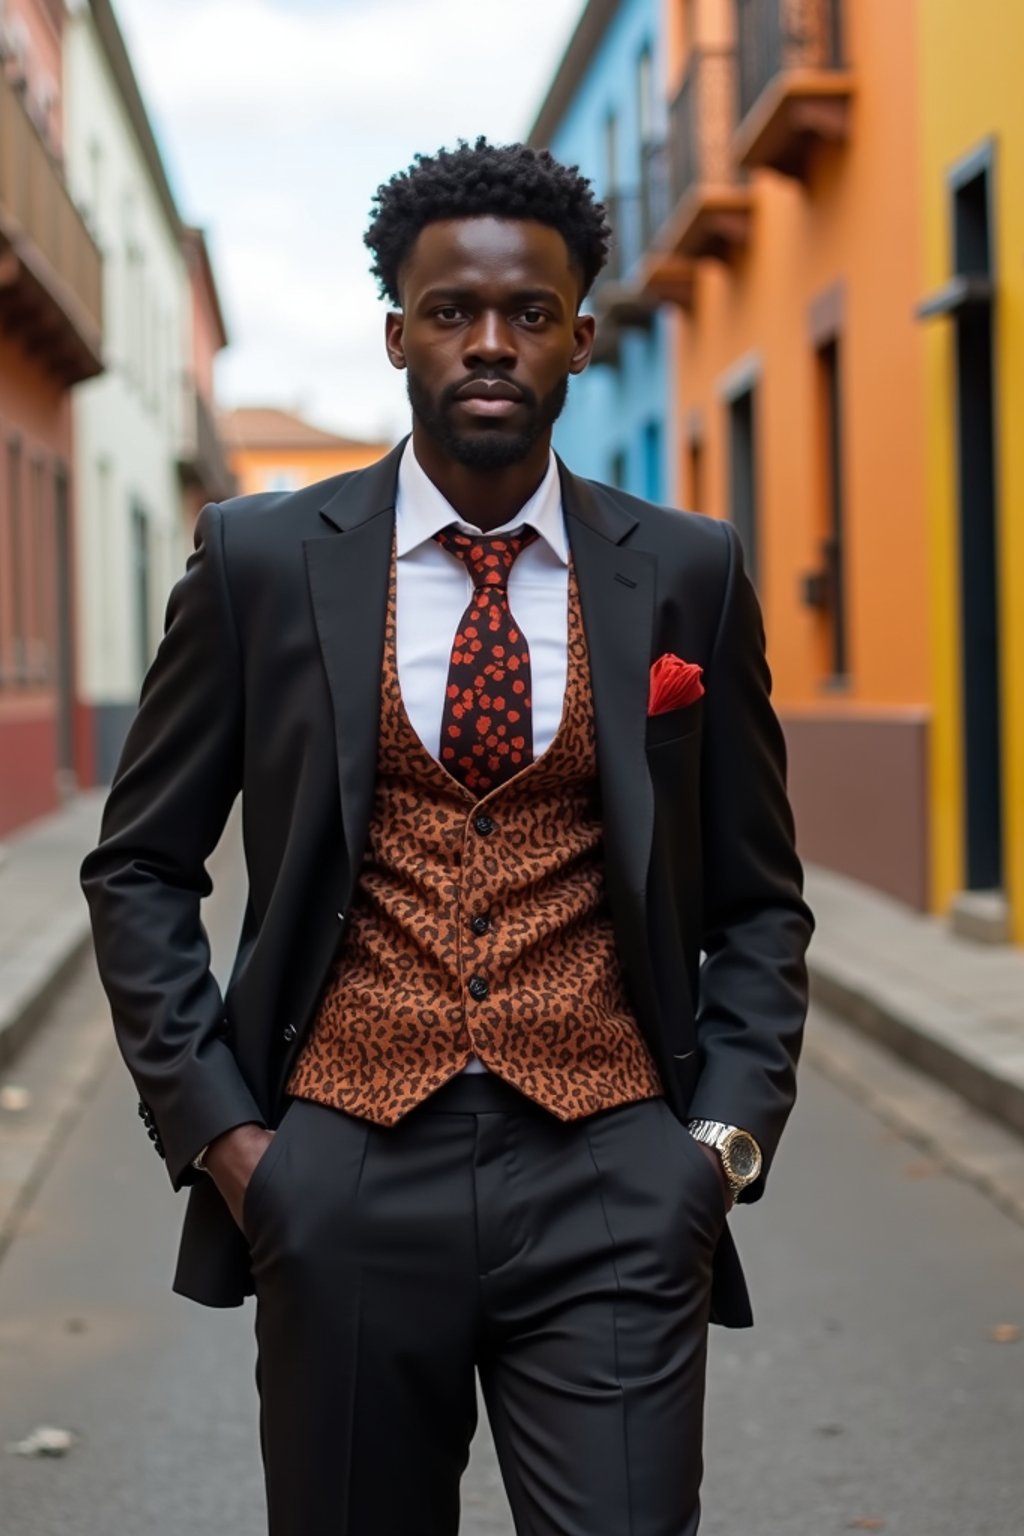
(477, 988)
(289, 1033)
(484, 825)
(480, 924)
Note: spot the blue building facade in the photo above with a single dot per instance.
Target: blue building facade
(603, 112)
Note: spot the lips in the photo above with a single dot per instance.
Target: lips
(489, 389)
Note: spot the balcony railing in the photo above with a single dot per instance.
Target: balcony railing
(701, 122)
(710, 212)
(778, 35)
(793, 88)
(52, 269)
(201, 459)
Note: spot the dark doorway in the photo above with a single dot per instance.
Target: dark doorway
(743, 475)
(833, 548)
(976, 487)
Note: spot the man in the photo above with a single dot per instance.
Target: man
(508, 766)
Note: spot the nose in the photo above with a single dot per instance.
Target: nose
(490, 341)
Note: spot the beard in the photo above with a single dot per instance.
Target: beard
(486, 446)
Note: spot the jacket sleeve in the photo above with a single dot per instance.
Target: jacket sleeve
(753, 982)
(176, 781)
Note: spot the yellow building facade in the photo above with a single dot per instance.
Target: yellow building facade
(972, 317)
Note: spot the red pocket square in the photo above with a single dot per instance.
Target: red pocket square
(674, 683)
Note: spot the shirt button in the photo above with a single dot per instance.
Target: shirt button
(484, 825)
(480, 924)
(289, 1033)
(477, 988)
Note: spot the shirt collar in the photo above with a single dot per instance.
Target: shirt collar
(421, 510)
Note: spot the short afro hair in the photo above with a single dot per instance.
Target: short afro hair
(506, 181)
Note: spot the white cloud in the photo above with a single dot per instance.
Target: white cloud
(279, 119)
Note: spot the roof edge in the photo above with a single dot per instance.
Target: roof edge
(119, 59)
(573, 65)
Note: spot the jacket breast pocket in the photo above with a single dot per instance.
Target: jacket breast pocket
(674, 724)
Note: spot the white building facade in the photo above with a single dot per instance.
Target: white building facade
(128, 427)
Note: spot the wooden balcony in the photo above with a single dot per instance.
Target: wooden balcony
(710, 204)
(202, 463)
(794, 92)
(50, 266)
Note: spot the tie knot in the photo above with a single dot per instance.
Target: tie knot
(488, 558)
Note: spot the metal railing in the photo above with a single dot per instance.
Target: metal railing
(701, 122)
(36, 209)
(775, 35)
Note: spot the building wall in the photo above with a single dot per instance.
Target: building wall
(614, 425)
(846, 244)
(127, 422)
(37, 662)
(971, 95)
(286, 469)
(34, 413)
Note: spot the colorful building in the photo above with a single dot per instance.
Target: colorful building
(604, 112)
(275, 450)
(971, 313)
(51, 338)
(791, 255)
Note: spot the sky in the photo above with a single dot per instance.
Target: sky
(278, 119)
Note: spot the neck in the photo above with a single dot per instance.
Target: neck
(484, 497)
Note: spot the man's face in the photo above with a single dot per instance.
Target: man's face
(489, 334)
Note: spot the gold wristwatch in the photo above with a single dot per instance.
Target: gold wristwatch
(740, 1153)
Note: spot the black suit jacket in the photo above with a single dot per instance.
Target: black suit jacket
(267, 682)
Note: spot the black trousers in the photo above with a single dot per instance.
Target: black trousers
(569, 1263)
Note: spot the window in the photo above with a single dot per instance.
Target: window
(695, 475)
(37, 647)
(280, 480)
(15, 514)
(652, 460)
(743, 474)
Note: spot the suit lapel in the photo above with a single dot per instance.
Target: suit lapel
(348, 569)
(616, 586)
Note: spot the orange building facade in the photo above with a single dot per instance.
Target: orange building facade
(50, 339)
(791, 255)
(275, 450)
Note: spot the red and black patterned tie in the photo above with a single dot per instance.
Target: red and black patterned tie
(487, 726)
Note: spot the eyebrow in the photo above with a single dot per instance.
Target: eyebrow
(470, 295)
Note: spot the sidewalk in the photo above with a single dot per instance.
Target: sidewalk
(44, 924)
(950, 1006)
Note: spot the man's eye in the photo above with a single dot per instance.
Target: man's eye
(533, 316)
(448, 312)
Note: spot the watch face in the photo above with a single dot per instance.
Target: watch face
(743, 1157)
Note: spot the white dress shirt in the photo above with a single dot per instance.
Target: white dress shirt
(433, 589)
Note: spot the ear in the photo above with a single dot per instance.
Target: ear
(583, 329)
(394, 325)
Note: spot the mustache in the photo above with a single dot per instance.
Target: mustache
(526, 394)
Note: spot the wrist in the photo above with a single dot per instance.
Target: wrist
(230, 1145)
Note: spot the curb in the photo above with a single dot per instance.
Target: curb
(44, 970)
(894, 1022)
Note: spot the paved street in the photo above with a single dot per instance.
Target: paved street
(872, 1395)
